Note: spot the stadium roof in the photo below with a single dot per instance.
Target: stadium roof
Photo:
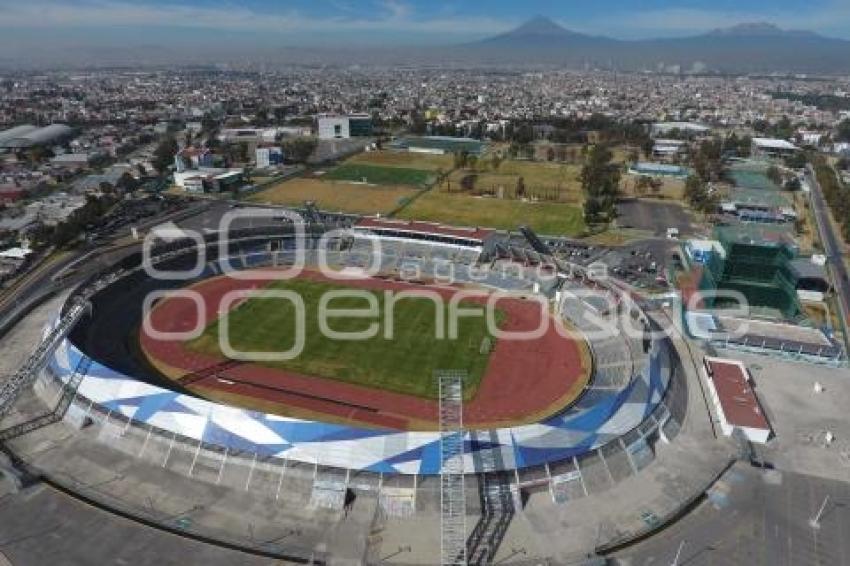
(15, 132)
(37, 136)
(689, 126)
(425, 228)
(773, 143)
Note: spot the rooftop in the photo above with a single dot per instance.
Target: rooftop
(773, 143)
(425, 228)
(738, 401)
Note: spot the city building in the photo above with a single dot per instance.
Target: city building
(71, 160)
(209, 179)
(734, 400)
(772, 147)
(669, 149)
(269, 156)
(342, 127)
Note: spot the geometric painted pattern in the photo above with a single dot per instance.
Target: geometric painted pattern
(592, 422)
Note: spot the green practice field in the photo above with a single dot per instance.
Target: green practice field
(378, 175)
(404, 364)
(422, 161)
(345, 197)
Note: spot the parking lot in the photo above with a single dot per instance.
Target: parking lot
(756, 517)
(643, 263)
(655, 217)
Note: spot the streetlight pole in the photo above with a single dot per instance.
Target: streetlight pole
(814, 522)
(678, 554)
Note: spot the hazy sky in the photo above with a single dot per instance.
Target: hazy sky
(315, 22)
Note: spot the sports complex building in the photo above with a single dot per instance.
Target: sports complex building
(598, 406)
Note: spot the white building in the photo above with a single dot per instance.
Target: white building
(269, 156)
(334, 127)
(202, 179)
(685, 129)
(342, 127)
(669, 149)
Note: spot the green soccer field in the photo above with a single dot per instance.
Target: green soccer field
(404, 364)
(378, 175)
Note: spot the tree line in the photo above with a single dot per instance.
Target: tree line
(835, 194)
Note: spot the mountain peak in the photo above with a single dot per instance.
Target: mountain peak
(759, 29)
(539, 25)
(537, 31)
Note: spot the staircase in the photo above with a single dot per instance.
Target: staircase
(69, 392)
(497, 506)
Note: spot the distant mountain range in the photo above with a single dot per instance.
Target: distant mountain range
(744, 48)
(541, 42)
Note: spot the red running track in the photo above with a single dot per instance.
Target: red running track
(524, 380)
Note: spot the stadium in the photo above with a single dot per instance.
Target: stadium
(599, 395)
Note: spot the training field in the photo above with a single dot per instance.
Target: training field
(422, 161)
(405, 364)
(379, 175)
(343, 197)
(541, 179)
(548, 218)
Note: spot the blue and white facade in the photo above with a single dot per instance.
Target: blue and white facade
(597, 418)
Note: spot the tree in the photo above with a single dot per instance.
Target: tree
(793, 184)
(467, 182)
(418, 124)
(163, 155)
(600, 181)
(127, 183)
(592, 210)
(496, 161)
(460, 159)
(774, 175)
(842, 132)
(796, 161)
(699, 197)
(647, 146)
(520, 188)
(524, 134)
(298, 150)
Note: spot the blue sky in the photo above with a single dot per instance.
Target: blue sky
(403, 21)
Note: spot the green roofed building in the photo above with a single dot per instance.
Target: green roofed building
(757, 262)
(439, 145)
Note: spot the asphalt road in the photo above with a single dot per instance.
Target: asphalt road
(43, 526)
(832, 246)
(759, 519)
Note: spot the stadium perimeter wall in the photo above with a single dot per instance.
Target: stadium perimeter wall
(593, 423)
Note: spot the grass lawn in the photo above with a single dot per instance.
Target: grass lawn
(379, 175)
(540, 178)
(671, 188)
(422, 161)
(345, 197)
(463, 210)
(404, 364)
